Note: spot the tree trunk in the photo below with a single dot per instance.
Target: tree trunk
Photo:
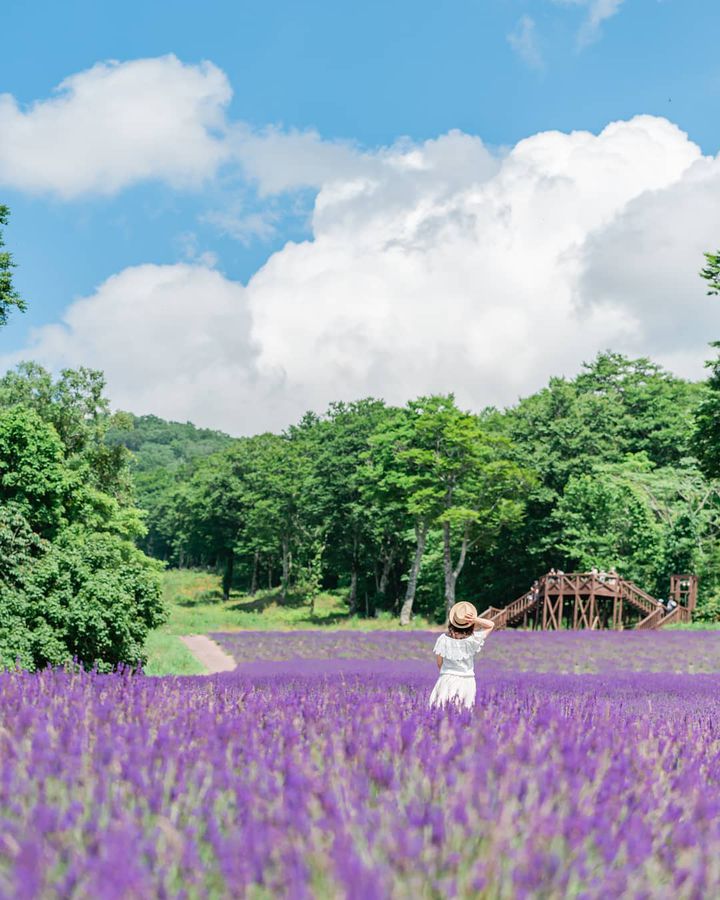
(270, 576)
(286, 563)
(452, 573)
(254, 579)
(228, 575)
(448, 568)
(406, 611)
(352, 600)
(385, 576)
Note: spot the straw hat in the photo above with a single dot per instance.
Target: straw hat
(463, 614)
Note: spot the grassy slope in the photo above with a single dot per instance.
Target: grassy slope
(196, 607)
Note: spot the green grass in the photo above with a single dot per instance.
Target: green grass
(167, 655)
(694, 626)
(195, 603)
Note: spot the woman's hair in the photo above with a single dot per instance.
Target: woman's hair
(459, 633)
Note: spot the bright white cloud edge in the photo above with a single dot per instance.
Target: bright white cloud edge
(117, 124)
(432, 267)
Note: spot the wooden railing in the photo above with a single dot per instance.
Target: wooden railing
(585, 584)
(654, 620)
(676, 616)
(639, 598)
(503, 617)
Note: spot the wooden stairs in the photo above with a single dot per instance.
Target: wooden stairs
(587, 590)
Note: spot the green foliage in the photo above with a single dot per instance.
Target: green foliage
(707, 422)
(605, 520)
(595, 470)
(161, 455)
(9, 297)
(615, 409)
(33, 476)
(72, 583)
(711, 272)
(90, 597)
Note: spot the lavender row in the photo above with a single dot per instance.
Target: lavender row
(336, 785)
(568, 651)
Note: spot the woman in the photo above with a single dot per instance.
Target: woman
(455, 652)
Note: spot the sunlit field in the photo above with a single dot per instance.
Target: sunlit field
(195, 604)
(317, 770)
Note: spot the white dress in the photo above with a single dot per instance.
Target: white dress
(456, 683)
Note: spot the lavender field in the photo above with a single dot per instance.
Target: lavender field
(331, 779)
(571, 652)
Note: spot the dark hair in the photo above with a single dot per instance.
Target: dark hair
(459, 633)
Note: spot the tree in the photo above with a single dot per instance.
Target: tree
(477, 487)
(163, 455)
(9, 297)
(707, 422)
(72, 584)
(86, 596)
(33, 477)
(450, 473)
(75, 405)
(211, 510)
(397, 477)
(335, 506)
(711, 272)
(606, 521)
(707, 419)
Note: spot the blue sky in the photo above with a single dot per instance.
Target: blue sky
(368, 74)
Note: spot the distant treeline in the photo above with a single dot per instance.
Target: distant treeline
(425, 504)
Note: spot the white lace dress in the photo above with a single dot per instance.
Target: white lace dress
(456, 683)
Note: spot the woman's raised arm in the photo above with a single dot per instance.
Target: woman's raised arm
(485, 624)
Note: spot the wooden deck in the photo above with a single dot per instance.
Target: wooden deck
(595, 600)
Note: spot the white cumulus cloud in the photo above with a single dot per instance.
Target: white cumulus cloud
(172, 340)
(464, 273)
(437, 266)
(117, 124)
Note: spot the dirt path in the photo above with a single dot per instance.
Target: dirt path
(208, 653)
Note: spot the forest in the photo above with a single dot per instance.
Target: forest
(412, 508)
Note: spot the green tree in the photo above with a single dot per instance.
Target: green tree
(711, 272)
(211, 511)
(33, 476)
(707, 422)
(605, 520)
(450, 473)
(75, 405)
(333, 498)
(614, 408)
(396, 477)
(163, 455)
(9, 297)
(85, 596)
(72, 583)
